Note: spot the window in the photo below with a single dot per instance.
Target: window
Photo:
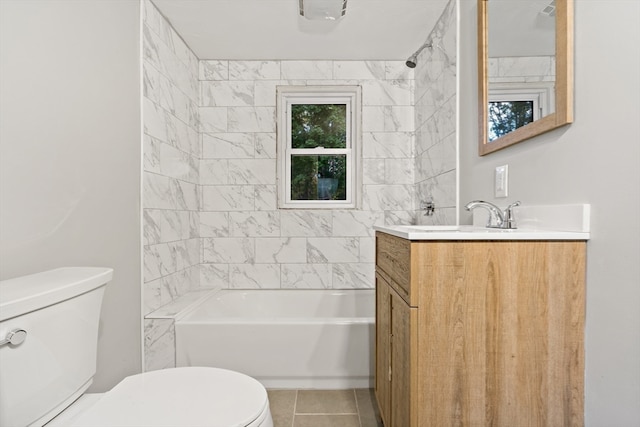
(318, 146)
(512, 106)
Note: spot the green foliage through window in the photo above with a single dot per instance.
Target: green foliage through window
(507, 116)
(319, 177)
(313, 176)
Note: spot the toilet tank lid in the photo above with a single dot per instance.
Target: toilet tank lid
(28, 293)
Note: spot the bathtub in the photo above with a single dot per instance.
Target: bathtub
(320, 339)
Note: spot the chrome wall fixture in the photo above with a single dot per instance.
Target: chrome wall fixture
(328, 10)
(412, 61)
(428, 205)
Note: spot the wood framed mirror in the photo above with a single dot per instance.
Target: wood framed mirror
(525, 70)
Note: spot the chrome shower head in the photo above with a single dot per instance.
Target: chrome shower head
(412, 61)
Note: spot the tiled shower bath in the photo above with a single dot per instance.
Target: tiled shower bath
(211, 218)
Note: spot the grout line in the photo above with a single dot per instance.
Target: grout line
(355, 397)
(295, 405)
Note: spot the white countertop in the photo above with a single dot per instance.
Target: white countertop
(470, 232)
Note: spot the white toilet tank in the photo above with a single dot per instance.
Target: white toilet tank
(59, 310)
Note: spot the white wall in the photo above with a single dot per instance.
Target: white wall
(595, 160)
(70, 155)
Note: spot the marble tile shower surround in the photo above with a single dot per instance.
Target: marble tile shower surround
(436, 122)
(210, 205)
(522, 69)
(247, 242)
(171, 196)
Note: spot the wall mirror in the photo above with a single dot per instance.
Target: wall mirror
(525, 70)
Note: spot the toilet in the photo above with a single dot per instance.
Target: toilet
(48, 345)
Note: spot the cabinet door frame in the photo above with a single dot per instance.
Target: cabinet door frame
(396, 356)
(404, 364)
(383, 348)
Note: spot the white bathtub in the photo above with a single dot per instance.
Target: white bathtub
(283, 338)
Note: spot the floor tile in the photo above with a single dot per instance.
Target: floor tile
(281, 404)
(368, 408)
(326, 421)
(326, 402)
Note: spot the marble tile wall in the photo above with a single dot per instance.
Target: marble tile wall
(436, 122)
(247, 242)
(522, 69)
(171, 197)
(209, 198)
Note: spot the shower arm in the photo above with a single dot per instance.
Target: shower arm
(412, 61)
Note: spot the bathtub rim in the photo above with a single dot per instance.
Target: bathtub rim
(194, 306)
(184, 313)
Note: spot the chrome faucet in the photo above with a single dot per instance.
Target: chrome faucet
(497, 219)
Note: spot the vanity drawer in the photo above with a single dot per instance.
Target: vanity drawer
(393, 258)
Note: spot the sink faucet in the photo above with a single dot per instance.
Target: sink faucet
(497, 219)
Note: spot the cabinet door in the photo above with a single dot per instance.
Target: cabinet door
(383, 348)
(403, 365)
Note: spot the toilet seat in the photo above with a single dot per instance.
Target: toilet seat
(190, 396)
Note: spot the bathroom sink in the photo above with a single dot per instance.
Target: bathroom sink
(470, 232)
(557, 222)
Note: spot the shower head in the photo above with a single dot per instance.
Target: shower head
(412, 61)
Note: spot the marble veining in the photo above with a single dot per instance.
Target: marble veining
(355, 222)
(435, 124)
(211, 216)
(227, 250)
(332, 249)
(281, 250)
(254, 223)
(227, 93)
(213, 70)
(358, 276)
(228, 145)
(265, 197)
(306, 276)
(254, 70)
(159, 344)
(359, 70)
(214, 224)
(252, 171)
(254, 276)
(171, 179)
(227, 198)
(305, 223)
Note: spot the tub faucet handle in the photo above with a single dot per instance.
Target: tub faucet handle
(428, 206)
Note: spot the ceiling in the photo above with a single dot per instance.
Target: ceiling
(520, 28)
(274, 30)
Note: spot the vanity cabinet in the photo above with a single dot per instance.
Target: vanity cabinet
(479, 333)
(396, 354)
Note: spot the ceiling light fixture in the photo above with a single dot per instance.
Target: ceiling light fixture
(329, 10)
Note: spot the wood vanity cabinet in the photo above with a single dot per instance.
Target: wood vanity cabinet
(479, 333)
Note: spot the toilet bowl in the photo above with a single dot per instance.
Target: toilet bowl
(48, 361)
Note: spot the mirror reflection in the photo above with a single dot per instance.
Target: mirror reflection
(521, 72)
(524, 72)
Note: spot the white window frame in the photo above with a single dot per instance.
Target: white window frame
(290, 95)
(541, 93)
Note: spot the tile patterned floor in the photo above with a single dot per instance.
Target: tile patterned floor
(324, 408)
